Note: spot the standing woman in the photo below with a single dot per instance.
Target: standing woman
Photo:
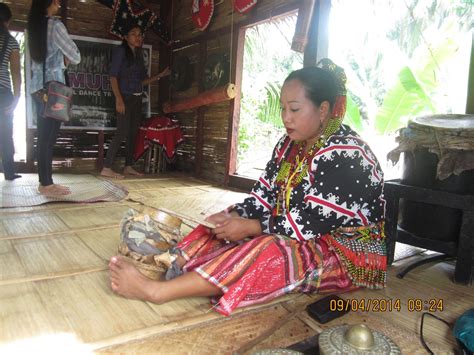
(51, 49)
(127, 77)
(9, 55)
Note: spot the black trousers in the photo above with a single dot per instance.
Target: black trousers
(7, 148)
(48, 130)
(127, 128)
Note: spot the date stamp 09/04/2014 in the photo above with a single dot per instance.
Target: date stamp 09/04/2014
(387, 305)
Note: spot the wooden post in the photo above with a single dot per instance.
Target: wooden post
(100, 150)
(30, 149)
(233, 127)
(303, 25)
(470, 85)
(64, 4)
(164, 87)
(317, 47)
(201, 113)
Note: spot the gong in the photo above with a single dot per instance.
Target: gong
(181, 73)
(216, 71)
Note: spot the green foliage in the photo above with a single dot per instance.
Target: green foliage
(268, 59)
(405, 99)
(417, 45)
(413, 93)
(353, 117)
(269, 110)
(243, 141)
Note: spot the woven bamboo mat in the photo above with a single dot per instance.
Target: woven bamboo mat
(189, 202)
(55, 292)
(84, 188)
(32, 259)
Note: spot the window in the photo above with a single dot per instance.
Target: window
(268, 59)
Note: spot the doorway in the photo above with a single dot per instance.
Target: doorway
(19, 118)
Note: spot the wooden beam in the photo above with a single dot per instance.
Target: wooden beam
(253, 19)
(470, 85)
(100, 148)
(303, 25)
(241, 182)
(64, 4)
(30, 149)
(233, 127)
(201, 113)
(317, 47)
(164, 87)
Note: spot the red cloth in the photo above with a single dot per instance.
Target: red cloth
(263, 268)
(160, 130)
(243, 6)
(201, 13)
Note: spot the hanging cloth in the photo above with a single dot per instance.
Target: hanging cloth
(243, 6)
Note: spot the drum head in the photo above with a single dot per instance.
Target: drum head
(446, 122)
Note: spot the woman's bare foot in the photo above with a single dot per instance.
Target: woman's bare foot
(128, 282)
(107, 172)
(131, 171)
(54, 190)
(180, 260)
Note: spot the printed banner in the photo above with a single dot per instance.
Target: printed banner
(93, 101)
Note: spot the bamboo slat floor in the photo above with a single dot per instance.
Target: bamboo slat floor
(55, 294)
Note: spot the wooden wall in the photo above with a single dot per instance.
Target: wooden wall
(207, 129)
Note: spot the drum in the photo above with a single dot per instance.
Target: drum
(147, 240)
(441, 158)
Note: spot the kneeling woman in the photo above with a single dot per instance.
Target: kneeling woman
(313, 221)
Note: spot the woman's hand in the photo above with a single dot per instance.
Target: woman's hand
(237, 228)
(218, 218)
(119, 105)
(165, 72)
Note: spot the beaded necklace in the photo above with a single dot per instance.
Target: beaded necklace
(293, 171)
(291, 174)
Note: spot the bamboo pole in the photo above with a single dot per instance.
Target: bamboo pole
(188, 218)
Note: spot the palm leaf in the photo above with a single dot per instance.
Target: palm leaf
(430, 66)
(404, 100)
(269, 110)
(353, 117)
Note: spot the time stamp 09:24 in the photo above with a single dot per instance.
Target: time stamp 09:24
(387, 305)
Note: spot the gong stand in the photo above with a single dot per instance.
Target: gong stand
(462, 249)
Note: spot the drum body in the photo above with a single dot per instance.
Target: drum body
(421, 165)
